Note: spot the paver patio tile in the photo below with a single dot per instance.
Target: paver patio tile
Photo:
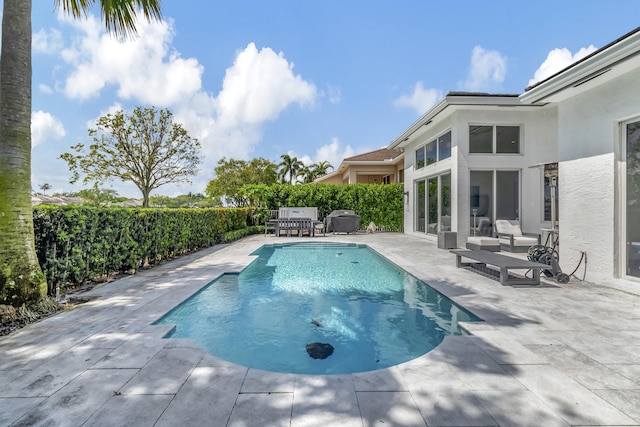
(206, 398)
(628, 401)
(134, 353)
(457, 408)
(389, 409)
(11, 409)
(519, 408)
(259, 381)
(74, 403)
(165, 373)
(328, 400)
(389, 379)
(132, 410)
(262, 409)
(49, 377)
(566, 397)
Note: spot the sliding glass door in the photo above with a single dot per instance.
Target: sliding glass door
(633, 198)
(492, 195)
(433, 204)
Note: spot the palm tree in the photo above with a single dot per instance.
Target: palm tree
(21, 279)
(289, 167)
(322, 168)
(307, 173)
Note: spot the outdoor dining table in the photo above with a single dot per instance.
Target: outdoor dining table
(294, 224)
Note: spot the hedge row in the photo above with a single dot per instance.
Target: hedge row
(80, 244)
(382, 204)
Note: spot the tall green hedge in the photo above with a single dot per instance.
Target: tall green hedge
(382, 204)
(78, 244)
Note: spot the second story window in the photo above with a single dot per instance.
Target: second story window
(494, 139)
(436, 150)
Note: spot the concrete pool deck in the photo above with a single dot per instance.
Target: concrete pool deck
(553, 355)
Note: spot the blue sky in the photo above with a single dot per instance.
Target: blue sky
(318, 80)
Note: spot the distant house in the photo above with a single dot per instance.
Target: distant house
(382, 166)
(41, 199)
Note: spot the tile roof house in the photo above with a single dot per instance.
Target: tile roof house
(383, 166)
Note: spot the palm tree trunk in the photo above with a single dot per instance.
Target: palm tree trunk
(21, 279)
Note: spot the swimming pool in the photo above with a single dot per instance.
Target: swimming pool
(371, 312)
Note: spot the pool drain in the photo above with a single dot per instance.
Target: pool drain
(319, 350)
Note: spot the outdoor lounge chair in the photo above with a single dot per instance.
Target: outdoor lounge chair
(512, 238)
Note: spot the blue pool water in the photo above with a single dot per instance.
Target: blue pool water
(373, 313)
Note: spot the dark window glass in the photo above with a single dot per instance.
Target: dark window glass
(420, 158)
(633, 199)
(480, 139)
(421, 204)
(432, 152)
(444, 146)
(507, 139)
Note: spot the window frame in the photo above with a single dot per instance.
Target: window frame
(494, 139)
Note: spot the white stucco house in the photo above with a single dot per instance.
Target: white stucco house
(470, 160)
(598, 146)
(474, 158)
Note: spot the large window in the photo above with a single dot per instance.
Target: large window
(436, 150)
(432, 152)
(433, 204)
(494, 139)
(632, 131)
(492, 195)
(420, 158)
(444, 146)
(421, 206)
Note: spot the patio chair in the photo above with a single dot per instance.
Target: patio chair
(511, 237)
(306, 226)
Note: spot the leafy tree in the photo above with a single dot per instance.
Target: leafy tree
(145, 147)
(232, 174)
(21, 278)
(99, 196)
(289, 167)
(189, 200)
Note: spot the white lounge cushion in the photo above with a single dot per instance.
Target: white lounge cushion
(508, 226)
(520, 241)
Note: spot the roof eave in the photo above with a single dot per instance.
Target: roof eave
(592, 66)
(453, 99)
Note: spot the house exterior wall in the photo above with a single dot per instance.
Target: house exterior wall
(538, 145)
(589, 140)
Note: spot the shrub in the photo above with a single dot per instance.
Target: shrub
(382, 204)
(80, 244)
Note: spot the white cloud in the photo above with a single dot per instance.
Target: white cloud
(44, 126)
(333, 153)
(420, 100)
(45, 88)
(144, 68)
(47, 41)
(259, 86)
(557, 60)
(487, 71)
(334, 94)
